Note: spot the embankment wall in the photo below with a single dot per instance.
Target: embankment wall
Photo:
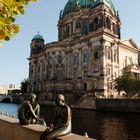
(11, 130)
(122, 105)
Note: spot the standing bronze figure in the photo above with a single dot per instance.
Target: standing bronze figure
(62, 121)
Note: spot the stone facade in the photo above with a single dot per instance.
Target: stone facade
(88, 55)
(5, 88)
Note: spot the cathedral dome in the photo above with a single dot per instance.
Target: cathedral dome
(73, 5)
(38, 37)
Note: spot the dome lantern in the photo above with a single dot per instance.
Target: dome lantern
(38, 37)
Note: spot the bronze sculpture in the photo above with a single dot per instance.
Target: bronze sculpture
(28, 111)
(62, 120)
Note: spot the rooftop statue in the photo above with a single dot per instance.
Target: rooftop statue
(62, 120)
(28, 111)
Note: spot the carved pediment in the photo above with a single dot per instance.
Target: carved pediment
(130, 43)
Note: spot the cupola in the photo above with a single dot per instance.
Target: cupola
(38, 37)
(84, 17)
(37, 44)
(75, 5)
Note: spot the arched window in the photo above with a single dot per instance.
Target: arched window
(95, 24)
(49, 74)
(76, 59)
(85, 27)
(78, 24)
(91, 27)
(31, 69)
(114, 28)
(108, 53)
(59, 58)
(115, 56)
(60, 33)
(108, 71)
(67, 30)
(96, 55)
(38, 69)
(100, 21)
(75, 74)
(60, 75)
(86, 56)
(108, 23)
(31, 72)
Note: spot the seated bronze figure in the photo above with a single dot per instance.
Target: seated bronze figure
(62, 121)
(28, 111)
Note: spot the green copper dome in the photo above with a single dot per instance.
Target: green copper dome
(73, 5)
(38, 37)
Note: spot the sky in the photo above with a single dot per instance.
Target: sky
(42, 17)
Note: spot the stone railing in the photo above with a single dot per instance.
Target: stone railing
(11, 130)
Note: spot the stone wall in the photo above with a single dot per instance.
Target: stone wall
(11, 130)
(87, 102)
(122, 105)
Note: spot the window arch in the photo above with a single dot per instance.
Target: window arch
(95, 24)
(91, 28)
(60, 75)
(114, 28)
(96, 55)
(59, 57)
(108, 54)
(86, 56)
(108, 71)
(78, 24)
(108, 23)
(76, 58)
(100, 21)
(31, 72)
(115, 56)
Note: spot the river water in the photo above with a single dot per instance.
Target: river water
(98, 125)
(9, 109)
